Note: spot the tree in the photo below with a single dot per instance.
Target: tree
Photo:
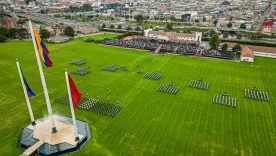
(87, 7)
(103, 26)
(12, 32)
(172, 18)
(22, 32)
(3, 38)
(252, 37)
(229, 25)
(21, 22)
(3, 31)
(57, 15)
(225, 35)
(139, 18)
(243, 26)
(138, 29)
(145, 17)
(215, 22)
(112, 18)
(68, 16)
(44, 34)
(112, 26)
(204, 19)
(239, 36)
(129, 28)
(237, 47)
(169, 26)
(212, 32)
(214, 41)
(224, 47)
(119, 26)
(258, 35)
(28, 1)
(197, 21)
(69, 31)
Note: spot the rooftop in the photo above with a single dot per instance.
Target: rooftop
(247, 52)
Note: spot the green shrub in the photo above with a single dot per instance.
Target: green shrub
(3, 38)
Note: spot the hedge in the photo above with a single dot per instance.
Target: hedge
(245, 42)
(128, 34)
(119, 31)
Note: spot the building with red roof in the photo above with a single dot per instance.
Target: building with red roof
(247, 55)
(194, 37)
(267, 25)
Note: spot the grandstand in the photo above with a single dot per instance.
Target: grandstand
(159, 47)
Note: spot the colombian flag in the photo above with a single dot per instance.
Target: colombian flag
(29, 91)
(43, 51)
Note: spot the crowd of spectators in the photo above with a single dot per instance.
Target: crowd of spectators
(179, 48)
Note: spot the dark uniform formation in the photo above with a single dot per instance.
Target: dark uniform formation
(168, 88)
(137, 43)
(225, 99)
(111, 41)
(218, 53)
(78, 62)
(154, 76)
(65, 100)
(181, 48)
(103, 108)
(81, 71)
(124, 68)
(256, 94)
(111, 68)
(141, 43)
(93, 105)
(199, 84)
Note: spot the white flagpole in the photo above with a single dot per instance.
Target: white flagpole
(71, 107)
(54, 130)
(25, 93)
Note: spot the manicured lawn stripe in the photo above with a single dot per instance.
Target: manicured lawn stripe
(151, 122)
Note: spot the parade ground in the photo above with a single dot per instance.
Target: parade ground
(150, 122)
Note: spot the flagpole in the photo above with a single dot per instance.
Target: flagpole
(25, 93)
(54, 130)
(71, 107)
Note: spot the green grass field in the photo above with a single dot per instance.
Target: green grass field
(151, 122)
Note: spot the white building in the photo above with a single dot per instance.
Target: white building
(247, 55)
(152, 13)
(195, 37)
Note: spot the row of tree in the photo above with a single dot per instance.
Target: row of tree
(83, 8)
(22, 33)
(45, 34)
(12, 33)
(121, 27)
(215, 41)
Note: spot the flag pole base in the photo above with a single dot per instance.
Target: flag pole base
(33, 123)
(64, 141)
(54, 130)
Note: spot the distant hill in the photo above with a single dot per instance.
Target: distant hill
(7, 21)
